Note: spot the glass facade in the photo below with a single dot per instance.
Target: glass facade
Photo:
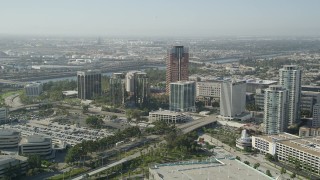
(182, 96)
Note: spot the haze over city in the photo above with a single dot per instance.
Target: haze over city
(159, 90)
(160, 18)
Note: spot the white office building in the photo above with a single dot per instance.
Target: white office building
(168, 116)
(33, 89)
(9, 139)
(233, 98)
(36, 144)
(275, 106)
(290, 149)
(290, 78)
(3, 115)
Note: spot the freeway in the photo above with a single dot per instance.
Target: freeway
(193, 125)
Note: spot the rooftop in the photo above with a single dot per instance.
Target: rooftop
(8, 132)
(34, 139)
(5, 159)
(222, 169)
(182, 82)
(260, 81)
(310, 145)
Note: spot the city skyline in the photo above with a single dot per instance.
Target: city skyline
(151, 18)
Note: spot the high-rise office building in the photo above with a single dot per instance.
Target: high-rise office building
(177, 65)
(141, 88)
(290, 78)
(275, 108)
(182, 96)
(89, 84)
(117, 88)
(138, 87)
(233, 98)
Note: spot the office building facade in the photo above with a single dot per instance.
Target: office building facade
(3, 115)
(208, 92)
(36, 144)
(182, 96)
(315, 122)
(33, 89)
(9, 139)
(290, 78)
(233, 98)
(177, 65)
(275, 107)
(141, 88)
(290, 149)
(117, 88)
(89, 84)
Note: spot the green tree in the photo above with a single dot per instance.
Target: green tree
(268, 173)
(85, 108)
(256, 165)
(283, 170)
(238, 158)
(34, 161)
(94, 121)
(247, 163)
(293, 175)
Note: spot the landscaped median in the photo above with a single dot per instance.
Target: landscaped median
(71, 173)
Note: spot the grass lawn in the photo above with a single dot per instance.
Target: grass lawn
(68, 174)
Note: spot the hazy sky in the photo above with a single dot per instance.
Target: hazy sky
(160, 17)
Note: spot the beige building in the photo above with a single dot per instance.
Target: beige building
(290, 148)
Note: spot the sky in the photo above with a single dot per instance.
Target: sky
(196, 18)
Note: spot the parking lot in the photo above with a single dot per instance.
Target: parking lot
(61, 134)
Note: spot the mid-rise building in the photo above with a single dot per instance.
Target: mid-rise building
(254, 84)
(308, 100)
(182, 96)
(290, 78)
(36, 144)
(177, 65)
(275, 107)
(259, 98)
(33, 89)
(3, 115)
(208, 92)
(291, 149)
(117, 88)
(306, 131)
(168, 116)
(12, 166)
(233, 98)
(315, 122)
(89, 84)
(9, 139)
